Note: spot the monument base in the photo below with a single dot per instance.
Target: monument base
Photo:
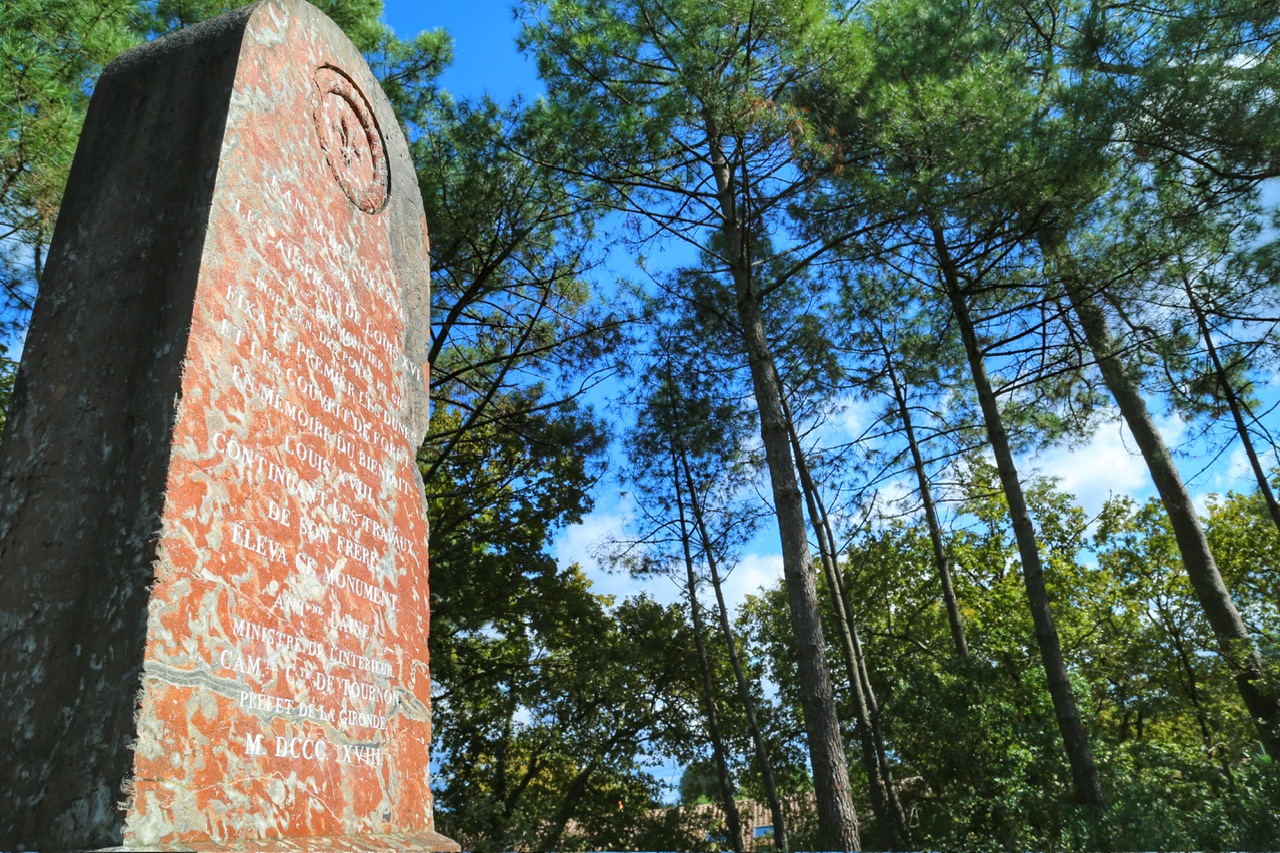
(381, 843)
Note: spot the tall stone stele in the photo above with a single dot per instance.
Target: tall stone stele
(212, 527)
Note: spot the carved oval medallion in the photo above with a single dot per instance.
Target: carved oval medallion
(351, 139)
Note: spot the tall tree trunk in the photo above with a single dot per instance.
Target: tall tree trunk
(837, 818)
(1236, 645)
(1193, 693)
(513, 796)
(877, 729)
(780, 841)
(940, 559)
(877, 782)
(731, 817)
(498, 822)
(1234, 403)
(1076, 742)
(864, 675)
(884, 799)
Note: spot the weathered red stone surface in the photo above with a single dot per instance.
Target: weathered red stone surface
(278, 648)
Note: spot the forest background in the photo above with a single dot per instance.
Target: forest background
(831, 278)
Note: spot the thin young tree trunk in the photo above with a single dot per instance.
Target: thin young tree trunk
(1233, 402)
(884, 801)
(1193, 692)
(578, 789)
(1076, 742)
(837, 817)
(1233, 637)
(780, 841)
(940, 559)
(873, 706)
(868, 691)
(732, 819)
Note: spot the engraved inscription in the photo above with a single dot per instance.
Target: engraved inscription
(307, 358)
(294, 596)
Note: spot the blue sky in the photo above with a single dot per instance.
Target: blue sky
(484, 32)
(486, 61)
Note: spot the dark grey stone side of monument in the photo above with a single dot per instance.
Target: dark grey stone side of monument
(79, 516)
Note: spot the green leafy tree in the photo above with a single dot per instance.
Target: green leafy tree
(943, 198)
(541, 751)
(54, 51)
(690, 473)
(973, 736)
(515, 330)
(1131, 107)
(682, 109)
(1180, 746)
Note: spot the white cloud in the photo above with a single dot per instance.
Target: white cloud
(849, 420)
(581, 543)
(1108, 463)
(752, 572)
(902, 493)
(1234, 472)
(578, 543)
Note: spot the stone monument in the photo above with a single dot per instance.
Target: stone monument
(212, 525)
